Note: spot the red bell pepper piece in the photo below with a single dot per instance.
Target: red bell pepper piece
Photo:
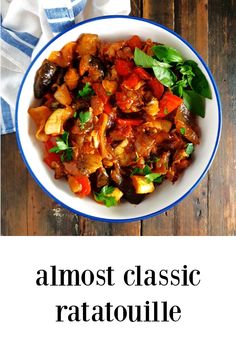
(123, 101)
(143, 74)
(51, 156)
(120, 133)
(100, 91)
(108, 108)
(168, 103)
(156, 87)
(86, 186)
(134, 42)
(131, 82)
(131, 122)
(123, 67)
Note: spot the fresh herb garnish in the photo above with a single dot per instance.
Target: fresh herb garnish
(184, 78)
(84, 118)
(75, 114)
(200, 84)
(167, 54)
(86, 91)
(153, 159)
(146, 170)
(164, 75)
(194, 102)
(137, 171)
(154, 177)
(189, 149)
(187, 74)
(142, 59)
(63, 146)
(182, 131)
(141, 171)
(104, 197)
(161, 70)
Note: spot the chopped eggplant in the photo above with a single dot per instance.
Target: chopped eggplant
(93, 65)
(184, 121)
(130, 195)
(102, 177)
(44, 77)
(97, 64)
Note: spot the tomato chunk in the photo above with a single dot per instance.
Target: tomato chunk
(131, 122)
(168, 103)
(124, 67)
(100, 91)
(143, 74)
(80, 185)
(134, 42)
(123, 101)
(156, 87)
(131, 82)
(108, 108)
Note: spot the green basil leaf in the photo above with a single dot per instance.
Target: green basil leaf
(200, 84)
(142, 59)
(177, 90)
(194, 102)
(190, 62)
(189, 149)
(164, 75)
(161, 64)
(186, 70)
(167, 54)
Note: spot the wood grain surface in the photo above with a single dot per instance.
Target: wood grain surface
(210, 26)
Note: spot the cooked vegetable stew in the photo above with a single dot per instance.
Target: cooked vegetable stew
(118, 118)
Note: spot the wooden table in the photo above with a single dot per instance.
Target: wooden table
(210, 26)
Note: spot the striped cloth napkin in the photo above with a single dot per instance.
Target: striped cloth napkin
(26, 26)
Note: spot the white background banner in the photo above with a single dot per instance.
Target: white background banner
(28, 311)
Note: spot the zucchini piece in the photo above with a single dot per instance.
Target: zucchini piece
(117, 194)
(141, 185)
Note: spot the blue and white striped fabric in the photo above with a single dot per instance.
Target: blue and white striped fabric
(26, 26)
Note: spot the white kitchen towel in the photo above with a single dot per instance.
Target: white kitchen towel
(26, 26)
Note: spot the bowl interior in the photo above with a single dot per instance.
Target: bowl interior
(166, 195)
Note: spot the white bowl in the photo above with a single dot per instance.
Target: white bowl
(167, 195)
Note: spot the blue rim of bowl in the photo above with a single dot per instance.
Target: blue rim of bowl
(195, 184)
